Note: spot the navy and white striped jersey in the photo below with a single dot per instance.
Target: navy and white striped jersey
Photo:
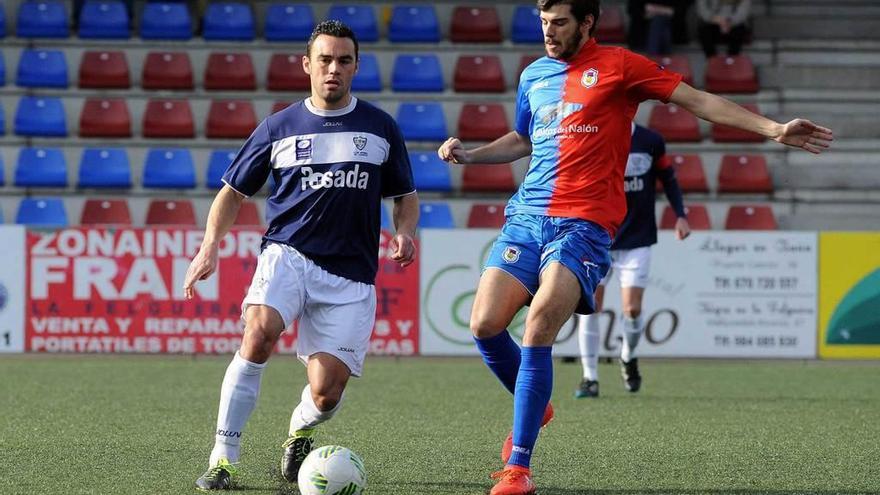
(330, 169)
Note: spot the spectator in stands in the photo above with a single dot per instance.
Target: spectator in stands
(723, 19)
(657, 24)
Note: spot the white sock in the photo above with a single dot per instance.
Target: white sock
(588, 342)
(632, 332)
(238, 396)
(307, 415)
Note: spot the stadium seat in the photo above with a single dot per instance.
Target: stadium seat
(435, 215)
(525, 61)
(750, 217)
(744, 174)
(41, 212)
(360, 18)
(289, 22)
(105, 19)
(40, 116)
(230, 119)
(480, 73)
(414, 23)
(697, 215)
(230, 71)
(482, 122)
(2, 120)
(167, 70)
(41, 69)
(678, 64)
(475, 25)
(104, 70)
(417, 73)
(41, 167)
(611, 27)
(726, 74)
(168, 119)
(486, 216)
(104, 168)
(2, 30)
(280, 105)
(2, 175)
(286, 73)
(166, 21)
(230, 21)
(217, 164)
(690, 173)
(2, 68)
(170, 168)
(430, 173)
(42, 19)
(488, 178)
(368, 77)
(248, 215)
(526, 25)
(171, 212)
(674, 124)
(101, 212)
(105, 118)
(725, 134)
(422, 121)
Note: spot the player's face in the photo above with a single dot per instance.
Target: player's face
(331, 66)
(563, 36)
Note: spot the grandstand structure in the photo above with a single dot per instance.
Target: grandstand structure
(112, 120)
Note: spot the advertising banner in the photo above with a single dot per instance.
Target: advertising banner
(12, 293)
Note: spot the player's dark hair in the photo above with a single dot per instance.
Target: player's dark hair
(332, 28)
(579, 9)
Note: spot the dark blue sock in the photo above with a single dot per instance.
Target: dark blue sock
(502, 356)
(533, 388)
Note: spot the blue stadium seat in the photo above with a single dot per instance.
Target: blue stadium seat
(104, 19)
(2, 69)
(229, 21)
(435, 215)
(104, 167)
(422, 121)
(414, 23)
(172, 168)
(430, 172)
(386, 222)
(360, 18)
(217, 165)
(40, 116)
(289, 22)
(41, 167)
(42, 19)
(2, 23)
(166, 21)
(417, 73)
(42, 212)
(368, 77)
(526, 26)
(2, 120)
(42, 69)
(2, 174)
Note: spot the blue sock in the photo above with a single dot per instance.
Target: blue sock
(533, 388)
(502, 356)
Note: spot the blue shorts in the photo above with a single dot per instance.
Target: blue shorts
(529, 243)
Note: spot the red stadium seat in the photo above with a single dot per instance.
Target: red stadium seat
(105, 212)
(725, 134)
(169, 119)
(524, 62)
(744, 174)
(171, 212)
(105, 118)
(750, 217)
(479, 73)
(678, 64)
(725, 74)
(690, 173)
(611, 28)
(286, 73)
(475, 25)
(482, 122)
(674, 124)
(230, 119)
(280, 105)
(489, 216)
(488, 178)
(104, 69)
(248, 215)
(233, 71)
(698, 217)
(167, 70)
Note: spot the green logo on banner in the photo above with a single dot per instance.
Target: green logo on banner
(856, 320)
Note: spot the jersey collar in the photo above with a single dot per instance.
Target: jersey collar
(331, 113)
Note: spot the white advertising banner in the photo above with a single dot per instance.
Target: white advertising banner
(12, 293)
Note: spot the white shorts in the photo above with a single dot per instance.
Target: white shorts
(336, 315)
(632, 267)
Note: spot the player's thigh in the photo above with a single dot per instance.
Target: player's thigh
(558, 295)
(634, 267)
(599, 297)
(583, 248)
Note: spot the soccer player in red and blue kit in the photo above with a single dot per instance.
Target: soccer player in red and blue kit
(573, 115)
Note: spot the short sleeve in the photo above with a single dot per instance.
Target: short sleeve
(397, 177)
(523, 109)
(645, 79)
(251, 166)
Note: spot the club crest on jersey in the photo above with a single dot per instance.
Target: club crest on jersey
(510, 254)
(590, 78)
(303, 148)
(359, 142)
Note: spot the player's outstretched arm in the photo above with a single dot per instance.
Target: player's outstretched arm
(509, 147)
(224, 209)
(799, 133)
(405, 217)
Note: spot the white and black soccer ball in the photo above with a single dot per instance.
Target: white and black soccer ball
(332, 470)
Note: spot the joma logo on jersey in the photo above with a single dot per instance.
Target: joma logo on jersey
(633, 184)
(354, 178)
(590, 78)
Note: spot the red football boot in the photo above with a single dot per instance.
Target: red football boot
(507, 448)
(513, 480)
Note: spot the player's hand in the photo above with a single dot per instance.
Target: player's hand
(202, 266)
(802, 133)
(452, 151)
(403, 249)
(682, 229)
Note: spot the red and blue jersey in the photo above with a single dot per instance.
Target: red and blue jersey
(578, 115)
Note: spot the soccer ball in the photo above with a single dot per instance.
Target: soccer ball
(332, 470)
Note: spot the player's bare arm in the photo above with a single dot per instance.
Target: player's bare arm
(799, 133)
(224, 209)
(509, 147)
(405, 217)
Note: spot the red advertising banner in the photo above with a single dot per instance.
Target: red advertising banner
(120, 291)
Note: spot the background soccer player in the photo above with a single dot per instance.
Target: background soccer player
(333, 157)
(573, 115)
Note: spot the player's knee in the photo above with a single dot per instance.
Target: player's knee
(257, 343)
(632, 312)
(326, 398)
(484, 327)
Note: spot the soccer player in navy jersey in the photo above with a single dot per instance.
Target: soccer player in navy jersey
(574, 111)
(631, 257)
(333, 158)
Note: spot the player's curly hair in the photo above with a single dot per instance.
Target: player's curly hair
(579, 9)
(334, 28)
